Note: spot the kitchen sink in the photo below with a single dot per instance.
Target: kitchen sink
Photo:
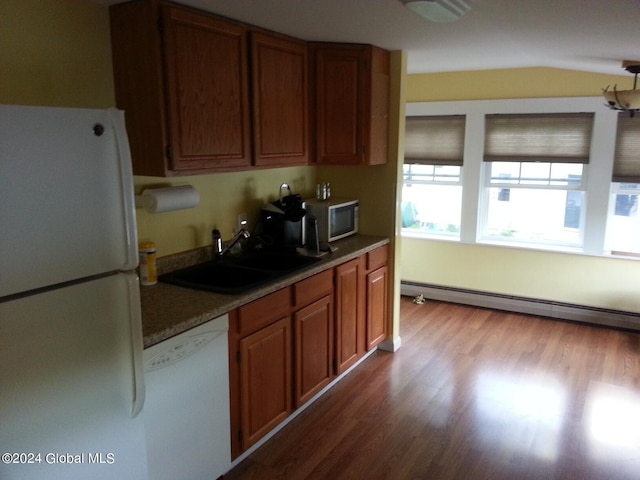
(273, 262)
(234, 275)
(217, 277)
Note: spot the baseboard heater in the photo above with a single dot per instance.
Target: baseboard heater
(544, 308)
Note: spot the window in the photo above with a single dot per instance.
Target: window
(431, 199)
(537, 173)
(624, 223)
(534, 169)
(538, 202)
(432, 183)
(624, 220)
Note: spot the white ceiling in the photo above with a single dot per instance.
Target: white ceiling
(587, 35)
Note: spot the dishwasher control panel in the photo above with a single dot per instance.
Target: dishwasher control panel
(175, 352)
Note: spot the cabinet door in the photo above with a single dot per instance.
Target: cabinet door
(313, 327)
(376, 151)
(265, 380)
(136, 48)
(352, 104)
(280, 100)
(349, 314)
(339, 123)
(376, 307)
(207, 90)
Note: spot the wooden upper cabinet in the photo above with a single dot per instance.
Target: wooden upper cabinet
(181, 76)
(352, 104)
(202, 94)
(279, 77)
(206, 75)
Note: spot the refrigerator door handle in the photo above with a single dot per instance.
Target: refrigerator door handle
(116, 117)
(137, 363)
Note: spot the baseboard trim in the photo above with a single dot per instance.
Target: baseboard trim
(391, 344)
(544, 308)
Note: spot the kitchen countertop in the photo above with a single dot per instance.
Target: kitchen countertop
(168, 310)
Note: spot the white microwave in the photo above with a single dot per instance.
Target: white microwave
(333, 219)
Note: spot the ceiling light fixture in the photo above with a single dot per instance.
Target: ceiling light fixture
(440, 11)
(627, 100)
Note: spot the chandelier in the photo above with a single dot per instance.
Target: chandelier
(626, 100)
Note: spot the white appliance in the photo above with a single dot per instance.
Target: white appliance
(71, 375)
(187, 404)
(332, 219)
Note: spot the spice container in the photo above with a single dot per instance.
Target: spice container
(148, 273)
(323, 191)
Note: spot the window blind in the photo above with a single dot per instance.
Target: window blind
(626, 163)
(434, 140)
(556, 138)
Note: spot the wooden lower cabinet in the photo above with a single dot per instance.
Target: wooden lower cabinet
(377, 288)
(313, 327)
(349, 297)
(265, 379)
(286, 347)
(280, 356)
(260, 368)
(377, 282)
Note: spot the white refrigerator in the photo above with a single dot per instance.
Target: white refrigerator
(71, 374)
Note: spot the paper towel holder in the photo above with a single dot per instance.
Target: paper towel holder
(167, 199)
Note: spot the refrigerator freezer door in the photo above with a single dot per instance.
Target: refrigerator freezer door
(67, 383)
(66, 192)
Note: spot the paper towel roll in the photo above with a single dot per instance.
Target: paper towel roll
(158, 200)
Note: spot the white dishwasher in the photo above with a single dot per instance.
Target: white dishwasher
(186, 410)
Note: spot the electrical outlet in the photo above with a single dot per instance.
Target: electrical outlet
(242, 221)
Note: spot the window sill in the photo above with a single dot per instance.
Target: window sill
(533, 246)
(408, 233)
(625, 255)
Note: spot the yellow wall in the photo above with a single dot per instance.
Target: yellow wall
(55, 53)
(222, 197)
(514, 83)
(580, 279)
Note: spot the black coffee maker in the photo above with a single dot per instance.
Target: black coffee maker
(282, 222)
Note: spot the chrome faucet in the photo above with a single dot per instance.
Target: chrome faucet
(218, 250)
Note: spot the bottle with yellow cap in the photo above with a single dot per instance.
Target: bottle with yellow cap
(148, 273)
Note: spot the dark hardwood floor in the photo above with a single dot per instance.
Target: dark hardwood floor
(472, 394)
